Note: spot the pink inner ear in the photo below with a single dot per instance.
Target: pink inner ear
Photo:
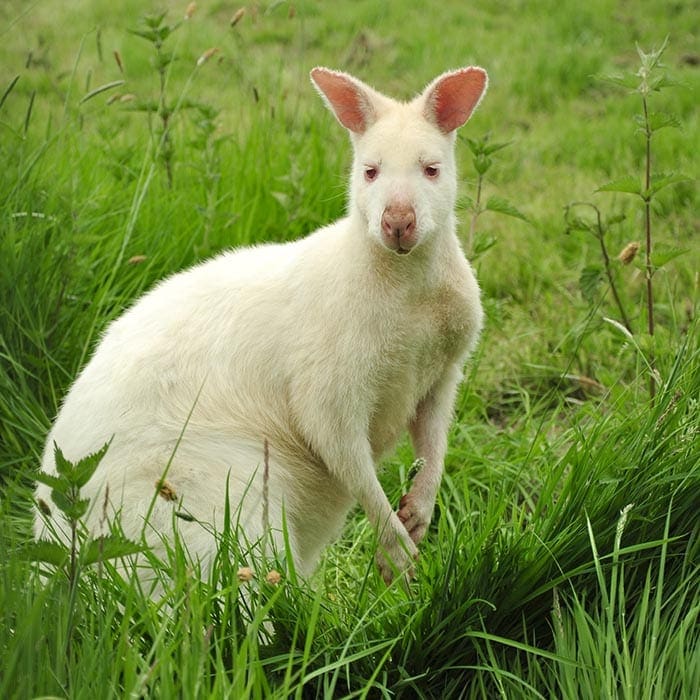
(454, 97)
(346, 99)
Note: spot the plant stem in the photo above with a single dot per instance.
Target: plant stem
(72, 590)
(600, 235)
(266, 496)
(164, 145)
(476, 211)
(647, 232)
(611, 279)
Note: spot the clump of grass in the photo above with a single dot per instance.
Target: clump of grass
(637, 634)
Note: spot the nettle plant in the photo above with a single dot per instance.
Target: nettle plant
(586, 216)
(73, 550)
(157, 32)
(167, 104)
(483, 152)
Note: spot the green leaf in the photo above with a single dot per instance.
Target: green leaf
(482, 244)
(656, 121)
(494, 147)
(110, 547)
(63, 466)
(147, 34)
(73, 510)
(662, 81)
(81, 472)
(662, 254)
(503, 206)
(163, 60)
(465, 202)
(45, 551)
(664, 180)
(154, 31)
(62, 501)
(482, 163)
(661, 120)
(86, 467)
(628, 81)
(589, 281)
(154, 19)
(615, 219)
(55, 482)
(577, 223)
(630, 185)
(476, 147)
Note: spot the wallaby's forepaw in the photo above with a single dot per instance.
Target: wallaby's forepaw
(397, 559)
(415, 516)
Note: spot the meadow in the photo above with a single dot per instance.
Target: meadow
(562, 561)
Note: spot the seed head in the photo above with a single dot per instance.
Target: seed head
(689, 308)
(237, 16)
(187, 517)
(628, 253)
(118, 59)
(245, 574)
(273, 577)
(557, 616)
(190, 10)
(207, 55)
(166, 490)
(136, 259)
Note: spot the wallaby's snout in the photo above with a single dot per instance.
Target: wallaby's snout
(399, 227)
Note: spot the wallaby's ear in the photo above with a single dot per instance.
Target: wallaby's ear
(452, 97)
(353, 103)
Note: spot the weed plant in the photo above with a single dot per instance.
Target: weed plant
(563, 558)
(647, 79)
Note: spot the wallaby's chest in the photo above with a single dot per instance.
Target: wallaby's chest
(443, 321)
(433, 334)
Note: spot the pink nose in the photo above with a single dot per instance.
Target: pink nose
(399, 227)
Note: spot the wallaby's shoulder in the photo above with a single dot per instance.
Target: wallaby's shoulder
(454, 300)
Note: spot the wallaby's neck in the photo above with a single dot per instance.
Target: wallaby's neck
(424, 266)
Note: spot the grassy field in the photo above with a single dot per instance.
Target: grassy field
(563, 558)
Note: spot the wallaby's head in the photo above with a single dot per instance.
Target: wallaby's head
(404, 180)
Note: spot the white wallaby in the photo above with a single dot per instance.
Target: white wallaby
(327, 348)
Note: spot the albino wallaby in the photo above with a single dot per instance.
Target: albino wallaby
(327, 348)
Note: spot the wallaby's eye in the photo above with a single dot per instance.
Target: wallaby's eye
(371, 173)
(431, 171)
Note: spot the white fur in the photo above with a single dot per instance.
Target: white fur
(328, 348)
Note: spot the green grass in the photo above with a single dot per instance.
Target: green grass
(531, 582)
